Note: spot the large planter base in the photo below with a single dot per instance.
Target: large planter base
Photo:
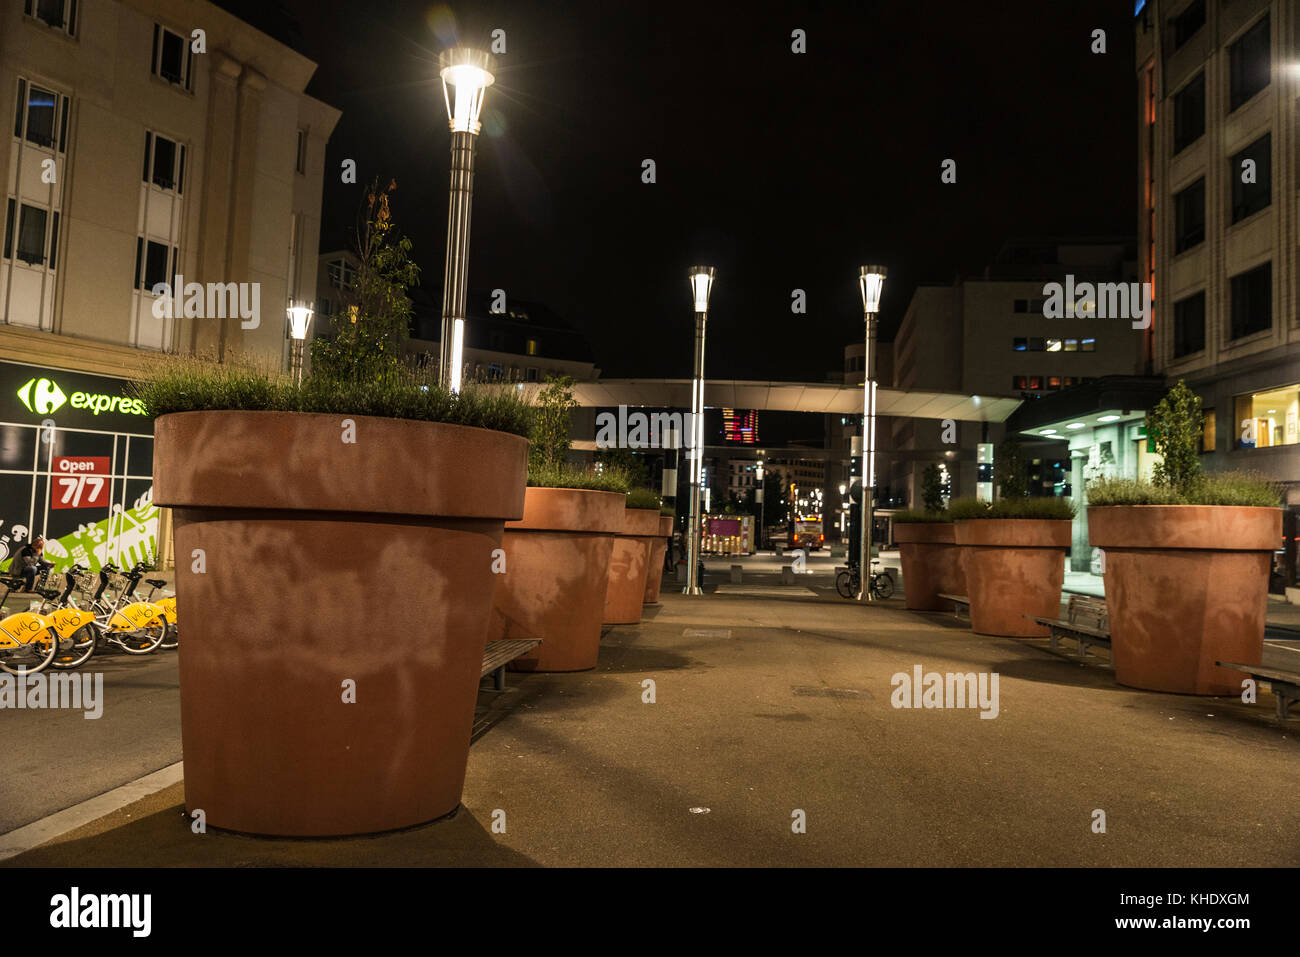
(931, 563)
(654, 574)
(557, 568)
(335, 575)
(1014, 568)
(1186, 586)
(628, 565)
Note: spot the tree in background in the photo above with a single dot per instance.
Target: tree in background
(932, 489)
(634, 465)
(1009, 470)
(367, 336)
(776, 509)
(1176, 428)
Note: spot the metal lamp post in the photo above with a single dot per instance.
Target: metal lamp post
(300, 314)
(871, 281)
(701, 279)
(466, 75)
(761, 509)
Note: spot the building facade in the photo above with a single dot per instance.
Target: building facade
(1219, 185)
(147, 141)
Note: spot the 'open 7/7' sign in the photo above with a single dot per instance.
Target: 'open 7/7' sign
(79, 481)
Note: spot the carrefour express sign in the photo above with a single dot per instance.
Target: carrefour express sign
(44, 397)
(72, 399)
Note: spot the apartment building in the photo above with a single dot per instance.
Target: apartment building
(148, 139)
(1219, 181)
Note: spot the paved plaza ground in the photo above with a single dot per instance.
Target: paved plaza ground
(768, 701)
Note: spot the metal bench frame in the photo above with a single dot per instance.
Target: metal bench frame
(1285, 684)
(500, 653)
(1086, 621)
(958, 603)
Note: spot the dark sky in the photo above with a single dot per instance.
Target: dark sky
(784, 171)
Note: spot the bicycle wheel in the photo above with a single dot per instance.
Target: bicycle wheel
(882, 586)
(142, 641)
(844, 585)
(171, 636)
(31, 657)
(75, 650)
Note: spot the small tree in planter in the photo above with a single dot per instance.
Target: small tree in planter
(1186, 561)
(557, 557)
(932, 488)
(301, 504)
(927, 549)
(1013, 555)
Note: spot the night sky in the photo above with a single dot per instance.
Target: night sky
(782, 170)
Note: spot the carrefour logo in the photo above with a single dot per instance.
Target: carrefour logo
(43, 396)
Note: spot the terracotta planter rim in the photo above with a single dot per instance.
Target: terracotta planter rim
(590, 511)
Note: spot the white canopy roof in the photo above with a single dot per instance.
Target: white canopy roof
(788, 397)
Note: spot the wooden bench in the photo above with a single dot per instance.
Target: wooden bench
(958, 603)
(500, 653)
(1086, 621)
(1285, 684)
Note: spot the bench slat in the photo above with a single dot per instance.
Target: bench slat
(503, 651)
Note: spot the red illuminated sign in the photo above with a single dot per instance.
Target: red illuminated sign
(742, 428)
(79, 481)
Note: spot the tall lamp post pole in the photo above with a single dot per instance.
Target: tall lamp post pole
(701, 279)
(871, 281)
(300, 314)
(466, 75)
(762, 508)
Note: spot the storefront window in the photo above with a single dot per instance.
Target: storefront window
(1266, 419)
(1208, 423)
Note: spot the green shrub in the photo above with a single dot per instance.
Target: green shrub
(931, 490)
(1048, 508)
(1221, 488)
(644, 498)
(913, 515)
(1176, 428)
(549, 442)
(183, 384)
(577, 476)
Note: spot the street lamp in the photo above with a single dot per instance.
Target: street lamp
(701, 280)
(300, 314)
(761, 509)
(871, 281)
(466, 75)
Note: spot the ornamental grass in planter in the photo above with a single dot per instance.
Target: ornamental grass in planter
(1013, 556)
(1186, 562)
(316, 699)
(557, 556)
(630, 560)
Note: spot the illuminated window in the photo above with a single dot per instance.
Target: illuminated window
(532, 347)
(1071, 345)
(1208, 431)
(1053, 345)
(1267, 419)
(1087, 345)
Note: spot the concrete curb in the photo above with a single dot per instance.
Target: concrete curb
(56, 825)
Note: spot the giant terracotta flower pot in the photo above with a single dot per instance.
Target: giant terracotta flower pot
(931, 563)
(1186, 586)
(336, 576)
(654, 574)
(556, 572)
(1014, 567)
(627, 566)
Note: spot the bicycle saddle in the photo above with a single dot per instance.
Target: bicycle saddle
(156, 582)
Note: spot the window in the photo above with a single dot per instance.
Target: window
(1087, 345)
(1189, 113)
(1189, 216)
(155, 263)
(1054, 382)
(59, 14)
(31, 235)
(1036, 344)
(1267, 419)
(54, 240)
(300, 164)
(1252, 301)
(341, 274)
(172, 58)
(1071, 345)
(1208, 429)
(164, 162)
(1021, 305)
(9, 229)
(1020, 345)
(1248, 65)
(1188, 22)
(1026, 383)
(532, 374)
(1249, 198)
(40, 116)
(532, 347)
(1053, 345)
(1189, 325)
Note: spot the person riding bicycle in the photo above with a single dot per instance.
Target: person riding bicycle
(28, 563)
